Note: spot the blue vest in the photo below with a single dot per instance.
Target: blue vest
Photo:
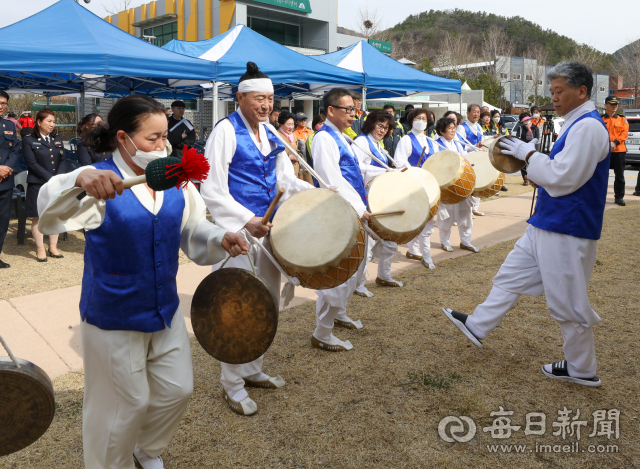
(580, 213)
(375, 149)
(349, 166)
(416, 150)
(131, 263)
(471, 136)
(252, 176)
(444, 142)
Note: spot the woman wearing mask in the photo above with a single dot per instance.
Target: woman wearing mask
(378, 126)
(497, 125)
(316, 124)
(86, 155)
(410, 148)
(527, 132)
(45, 156)
(138, 375)
(459, 213)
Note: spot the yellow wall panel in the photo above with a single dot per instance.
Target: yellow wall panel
(170, 7)
(123, 20)
(227, 7)
(208, 20)
(192, 25)
(108, 19)
(143, 12)
(132, 19)
(152, 10)
(180, 13)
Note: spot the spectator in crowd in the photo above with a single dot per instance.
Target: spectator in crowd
(485, 109)
(86, 156)
(287, 125)
(316, 125)
(27, 123)
(485, 123)
(273, 117)
(391, 142)
(8, 158)
(302, 132)
(167, 111)
(527, 132)
(360, 115)
(517, 128)
(431, 124)
(181, 130)
(45, 156)
(618, 129)
(497, 125)
(12, 117)
(536, 118)
(406, 127)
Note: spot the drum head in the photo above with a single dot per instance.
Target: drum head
(234, 315)
(27, 404)
(430, 184)
(486, 174)
(394, 191)
(446, 166)
(504, 163)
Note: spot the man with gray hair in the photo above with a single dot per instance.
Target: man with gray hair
(557, 252)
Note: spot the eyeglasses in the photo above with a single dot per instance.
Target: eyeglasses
(4, 104)
(422, 118)
(348, 110)
(383, 127)
(450, 128)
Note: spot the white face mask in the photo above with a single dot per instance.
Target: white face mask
(496, 119)
(143, 158)
(420, 126)
(536, 116)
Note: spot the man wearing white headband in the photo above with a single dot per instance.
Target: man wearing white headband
(248, 167)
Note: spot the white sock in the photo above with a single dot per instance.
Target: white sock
(238, 395)
(258, 377)
(474, 330)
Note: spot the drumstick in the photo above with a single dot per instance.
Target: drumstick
(475, 148)
(306, 165)
(435, 141)
(272, 206)
(367, 152)
(421, 155)
(533, 199)
(380, 214)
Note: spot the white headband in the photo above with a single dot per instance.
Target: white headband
(263, 85)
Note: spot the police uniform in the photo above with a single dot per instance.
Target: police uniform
(87, 156)
(176, 129)
(8, 157)
(618, 129)
(46, 157)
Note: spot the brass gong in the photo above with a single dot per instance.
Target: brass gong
(234, 314)
(504, 163)
(27, 404)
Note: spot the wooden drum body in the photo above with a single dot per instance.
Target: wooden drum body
(454, 174)
(430, 184)
(396, 191)
(488, 179)
(318, 238)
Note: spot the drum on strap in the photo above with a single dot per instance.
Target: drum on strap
(398, 192)
(234, 314)
(430, 184)
(488, 179)
(318, 238)
(454, 173)
(504, 163)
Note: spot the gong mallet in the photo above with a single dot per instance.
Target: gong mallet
(272, 206)
(392, 212)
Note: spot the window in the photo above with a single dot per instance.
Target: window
(602, 89)
(191, 104)
(163, 33)
(634, 125)
(517, 76)
(282, 33)
(528, 77)
(539, 82)
(504, 76)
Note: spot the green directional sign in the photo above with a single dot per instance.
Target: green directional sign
(303, 6)
(382, 46)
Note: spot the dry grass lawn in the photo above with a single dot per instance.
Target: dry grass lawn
(379, 405)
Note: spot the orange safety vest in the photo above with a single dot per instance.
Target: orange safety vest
(618, 128)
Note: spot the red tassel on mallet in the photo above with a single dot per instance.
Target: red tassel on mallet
(193, 166)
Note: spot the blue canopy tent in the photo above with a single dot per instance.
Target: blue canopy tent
(385, 77)
(90, 55)
(290, 71)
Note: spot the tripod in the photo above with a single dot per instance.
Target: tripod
(548, 135)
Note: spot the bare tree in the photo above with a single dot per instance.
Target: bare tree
(455, 51)
(117, 7)
(496, 43)
(536, 69)
(369, 22)
(628, 66)
(589, 55)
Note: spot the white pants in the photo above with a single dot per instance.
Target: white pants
(232, 375)
(136, 387)
(385, 252)
(475, 203)
(421, 244)
(560, 267)
(460, 213)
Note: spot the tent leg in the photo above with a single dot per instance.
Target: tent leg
(48, 100)
(82, 102)
(364, 99)
(214, 110)
(290, 101)
(202, 115)
(461, 102)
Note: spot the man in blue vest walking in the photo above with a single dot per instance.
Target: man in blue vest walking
(557, 252)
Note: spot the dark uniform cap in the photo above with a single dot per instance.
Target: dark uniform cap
(611, 100)
(301, 116)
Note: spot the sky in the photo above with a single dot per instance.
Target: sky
(581, 20)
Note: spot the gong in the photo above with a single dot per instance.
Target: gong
(504, 163)
(234, 314)
(27, 404)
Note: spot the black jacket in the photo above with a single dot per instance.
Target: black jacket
(521, 133)
(86, 156)
(45, 160)
(175, 136)
(9, 150)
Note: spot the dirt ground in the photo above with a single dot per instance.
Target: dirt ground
(379, 405)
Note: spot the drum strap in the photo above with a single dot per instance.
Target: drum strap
(6, 347)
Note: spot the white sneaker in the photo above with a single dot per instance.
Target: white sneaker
(429, 265)
(146, 461)
(366, 293)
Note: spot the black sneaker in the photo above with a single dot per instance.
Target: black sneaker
(559, 371)
(620, 202)
(504, 189)
(4, 265)
(459, 319)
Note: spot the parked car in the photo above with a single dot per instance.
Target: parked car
(510, 121)
(633, 141)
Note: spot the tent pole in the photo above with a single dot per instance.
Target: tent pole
(48, 100)
(290, 104)
(82, 102)
(460, 102)
(201, 114)
(214, 92)
(364, 99)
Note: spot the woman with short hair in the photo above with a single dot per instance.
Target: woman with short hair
(86, 155)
